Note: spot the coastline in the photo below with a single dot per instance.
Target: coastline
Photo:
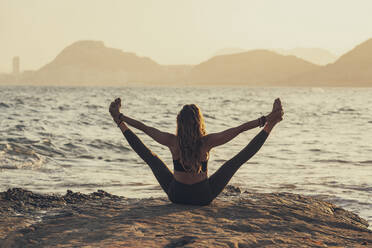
(234, 219)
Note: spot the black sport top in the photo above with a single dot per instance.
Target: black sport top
(178, 166)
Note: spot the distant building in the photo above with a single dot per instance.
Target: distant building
(16, 65)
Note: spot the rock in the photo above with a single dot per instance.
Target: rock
(181, 242)
(231, 190)
(244, 219)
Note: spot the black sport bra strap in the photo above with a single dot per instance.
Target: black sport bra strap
(178, 166)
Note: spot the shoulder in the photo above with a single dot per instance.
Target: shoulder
(205, 139)
(174, 147)
(173, 140)
(205, 142)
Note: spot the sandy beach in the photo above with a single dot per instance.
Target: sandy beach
(234, 219)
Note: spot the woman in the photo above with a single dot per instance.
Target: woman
(190, 149)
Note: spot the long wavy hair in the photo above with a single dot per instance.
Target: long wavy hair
(190, 130)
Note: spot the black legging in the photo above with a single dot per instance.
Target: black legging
(201, 193)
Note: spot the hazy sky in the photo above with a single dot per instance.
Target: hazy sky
(178, 31)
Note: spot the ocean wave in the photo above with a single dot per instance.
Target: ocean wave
(20, 127)
(31, 161)
(19, 101)
(102, 144)
(89, 185)
(7, 166)
(21, 140)
(340, 200)
(333, 161)
(336, 184)
(316, 150)
(23, 153)
(4, 105)
(86, 157)
(345, 109)
(366, 162)
(93, 106)
(47, 150)
(207, 116)
(120, 160)
(74, 148)
(287, 186)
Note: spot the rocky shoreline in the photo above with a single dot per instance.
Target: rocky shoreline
(234, 219)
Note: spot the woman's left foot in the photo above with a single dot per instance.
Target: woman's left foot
(115, 110)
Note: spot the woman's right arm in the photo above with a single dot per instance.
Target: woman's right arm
(217, 139)
(162, 138)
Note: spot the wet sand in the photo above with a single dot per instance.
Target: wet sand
(234, 219)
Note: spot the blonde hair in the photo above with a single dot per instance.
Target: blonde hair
(190, 130)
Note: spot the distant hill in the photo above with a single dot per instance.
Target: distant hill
(227, 51)
(351, 69)
(317, 56)
(91, 62)
(257, 67)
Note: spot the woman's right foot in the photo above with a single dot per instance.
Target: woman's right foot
(272, 119)
(275, 116)
(277, 104)
(277, 112)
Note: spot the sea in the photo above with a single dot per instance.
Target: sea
(58, 138)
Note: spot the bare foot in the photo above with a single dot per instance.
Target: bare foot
(275, 116)
(277, 112)
(277, 104)
(272, 119)
(115, 110)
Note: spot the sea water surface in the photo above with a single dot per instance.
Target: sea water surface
(58, 138)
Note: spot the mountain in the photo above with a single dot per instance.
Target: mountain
(351, 69)
(256, 67)
(227, 51)
(316, 56)
(91, 62)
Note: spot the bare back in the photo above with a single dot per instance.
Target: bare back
(187, 177)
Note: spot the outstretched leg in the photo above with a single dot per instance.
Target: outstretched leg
(158, 167)
(160, 170)
(222, 176)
